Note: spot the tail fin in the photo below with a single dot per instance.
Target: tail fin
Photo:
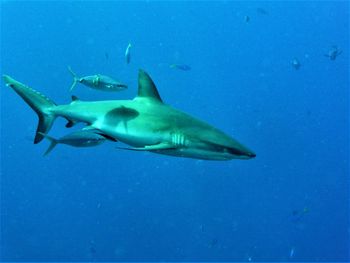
(75, 78)
(38, 102)
(53, 143)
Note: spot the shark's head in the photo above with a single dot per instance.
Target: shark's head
(181, 134)
(213, 144)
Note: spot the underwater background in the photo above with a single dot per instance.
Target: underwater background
(290, 203)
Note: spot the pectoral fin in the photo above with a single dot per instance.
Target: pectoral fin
(110, 138)
(154, 147)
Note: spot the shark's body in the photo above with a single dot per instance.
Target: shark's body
(145, 123)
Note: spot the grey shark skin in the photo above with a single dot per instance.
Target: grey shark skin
(145, 123)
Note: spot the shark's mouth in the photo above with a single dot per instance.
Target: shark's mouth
(239, 152)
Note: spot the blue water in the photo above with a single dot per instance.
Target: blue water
(290, 203)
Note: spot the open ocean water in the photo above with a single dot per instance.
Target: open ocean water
(290, 203)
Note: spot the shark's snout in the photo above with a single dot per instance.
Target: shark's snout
(241, 152)
(251, 155)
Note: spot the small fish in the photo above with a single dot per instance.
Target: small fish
(262, 11)
(92, 250)
(298, 215)
(246, 19)
(127, 54)
(333, 53)
(291, 253)
(98, 81)
(213, 243)
(82, 138)
(296, 63)
(183, 67)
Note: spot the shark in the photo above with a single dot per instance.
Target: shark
(144, 123)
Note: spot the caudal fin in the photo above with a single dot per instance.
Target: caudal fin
(53, 143)
(38, 102)
(75, 78)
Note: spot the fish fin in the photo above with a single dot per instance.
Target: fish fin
(75, 78)
(147, 88)
(88, 128)
(155, 147)
(123, 86)
(53, 143)
(38, 102)
(110, 138)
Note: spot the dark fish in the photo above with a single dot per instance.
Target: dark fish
(297, 215)
(183, 67)
(246, 19)
(83, 138)
(334, 53)
(213, 243)
(92, 250)
(262, 11)
(98, 81)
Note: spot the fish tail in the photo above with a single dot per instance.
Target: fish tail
(53, 143)
(75, 78)
(41, 104)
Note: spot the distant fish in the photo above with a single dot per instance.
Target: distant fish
(246, 19)
(183, 67)
(213, 242)
(262, 11)
(333, 53)
(296, 63)
(127, 54)
(98, 81)
(291, 253)
(92, 250)
(298, 215)
(82, 138)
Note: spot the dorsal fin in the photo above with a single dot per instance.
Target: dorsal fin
(147, 88)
